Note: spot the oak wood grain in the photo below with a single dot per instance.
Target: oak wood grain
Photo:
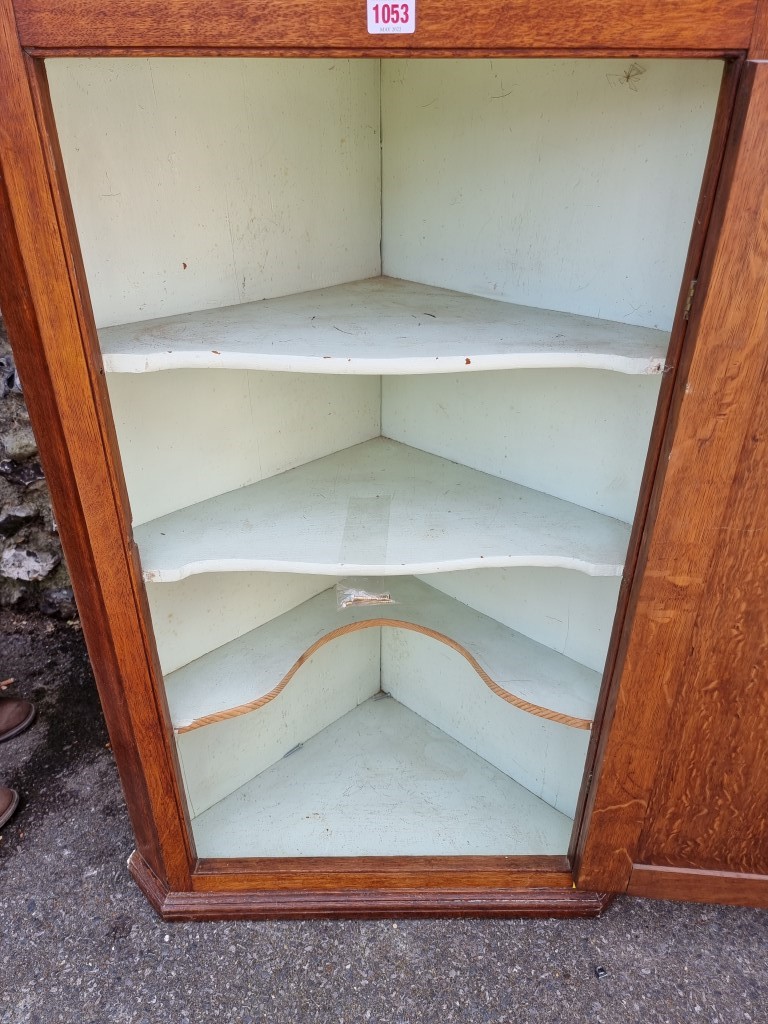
(758, 48)
(48, 317)
(285, 24)
(712, 420)
(710, 805)
(661, 883)
(342, 873)
(365, 903)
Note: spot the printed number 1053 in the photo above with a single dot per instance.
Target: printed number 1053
(390, 14)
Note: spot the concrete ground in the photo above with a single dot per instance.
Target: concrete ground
(78, 943)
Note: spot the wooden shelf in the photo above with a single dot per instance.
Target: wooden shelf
(381, 781)
(380, 508)
(381, 326)
(253, 670)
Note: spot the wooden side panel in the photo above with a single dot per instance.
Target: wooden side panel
(710, 807)
(741, 890)
(691, 649)
(758, 49)
(51, 332)
(518, 24)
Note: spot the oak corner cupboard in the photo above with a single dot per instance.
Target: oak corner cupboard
(399, 376)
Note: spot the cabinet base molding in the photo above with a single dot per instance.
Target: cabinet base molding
(699, 886)
(363, 903)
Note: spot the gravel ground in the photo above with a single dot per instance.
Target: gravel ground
(80, 944)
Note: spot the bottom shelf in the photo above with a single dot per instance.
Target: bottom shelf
(381, 781)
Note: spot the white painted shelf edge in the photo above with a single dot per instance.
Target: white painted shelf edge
(252, 670)
(381, 781)
(381, 326)
(380, 508)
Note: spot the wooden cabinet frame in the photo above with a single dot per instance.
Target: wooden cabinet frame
(677, 801)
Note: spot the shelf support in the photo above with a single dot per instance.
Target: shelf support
(523, 705)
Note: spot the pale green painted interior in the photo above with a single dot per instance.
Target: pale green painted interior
(560, 184)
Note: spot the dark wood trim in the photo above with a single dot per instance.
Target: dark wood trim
(495, 24)
(364, 903)
(698, 886)
(394, 52)
(712, 412)
(50, 327)
(391, 873)
(642, 524)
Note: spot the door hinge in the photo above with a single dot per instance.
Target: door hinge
(689, 300)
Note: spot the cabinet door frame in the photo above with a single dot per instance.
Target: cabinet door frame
(46, 305)
(655, 823)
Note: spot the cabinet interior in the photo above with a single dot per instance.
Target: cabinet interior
(397, 325)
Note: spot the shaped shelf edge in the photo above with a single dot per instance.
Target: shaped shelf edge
(252, 670)
(381, 326)
(380, 508)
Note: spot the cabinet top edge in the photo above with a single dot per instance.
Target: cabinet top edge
(391, 53)
(338, 27)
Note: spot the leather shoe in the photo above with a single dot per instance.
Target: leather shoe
(9, 801)
(16, 715)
